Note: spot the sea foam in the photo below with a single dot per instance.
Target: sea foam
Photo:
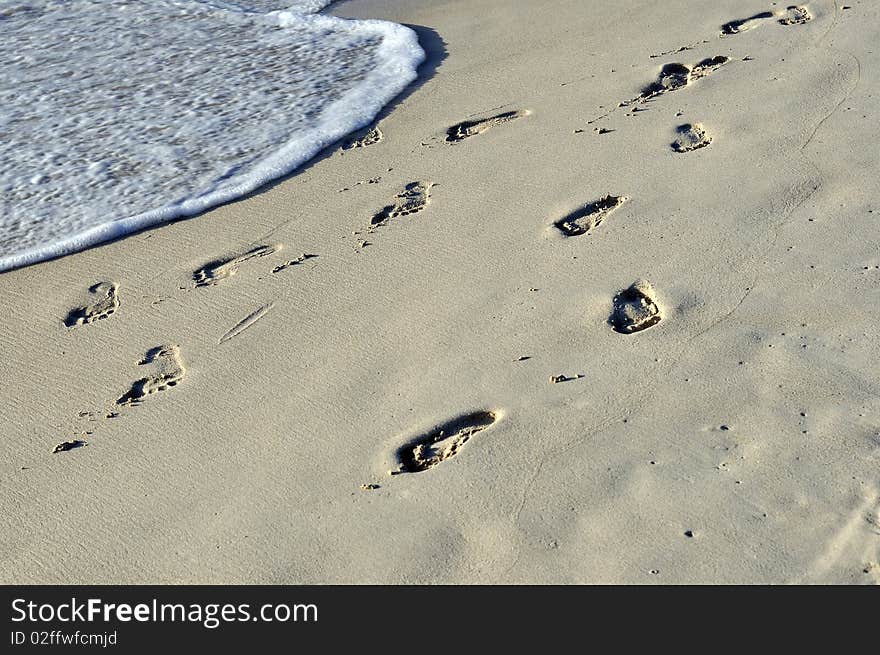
(118, 114)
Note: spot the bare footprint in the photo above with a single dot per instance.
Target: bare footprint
(635, 309)
(105, 306)
(218, 270)
(792, 15)
(589, 216)
(676, 76)
(414, 198)
(672, 76)
(64, 446)
(691, 137)
(707, 66)
(372, 137)
(737, 26)
(441, 443)
(795, 15)
(169, 371)
(466, 129)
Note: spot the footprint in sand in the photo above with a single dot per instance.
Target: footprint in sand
(441, 443)
(414, 198)
(737, 26)
(793, 15)
(372, 137)
(585, 218)
(676, 76)
(64, 446)
(168, 371)
(466, 129)
(635, 309)
(691, 137)
(105, 306)
(220, 269)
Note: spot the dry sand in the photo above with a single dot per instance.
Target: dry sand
(719, 421)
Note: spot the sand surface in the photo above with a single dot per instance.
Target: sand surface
(697, 269)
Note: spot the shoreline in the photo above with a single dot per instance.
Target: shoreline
(396, 61)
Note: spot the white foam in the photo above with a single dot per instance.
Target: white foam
(264, 6)
(119, 115)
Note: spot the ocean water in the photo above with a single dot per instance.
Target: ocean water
(120, 114)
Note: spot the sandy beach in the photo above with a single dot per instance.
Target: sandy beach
(593, 301)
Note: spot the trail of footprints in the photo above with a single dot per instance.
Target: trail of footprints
(676, 76)
(793, 15)
(165, 367)
(634, 309)
(166, 370)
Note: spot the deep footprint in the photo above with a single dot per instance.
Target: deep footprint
(635, 309)
(795, 15)
(220, 269)
(467, 129)
(691, 137)
(443, 442)
(102, 308)
(591, 215)
(64, 446)
(169, 371)
(737, 26)
(414, 198)
(677, 76)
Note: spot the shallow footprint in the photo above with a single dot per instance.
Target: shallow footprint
(414, 198)
(372, 137)
(169, 371)
(635, 309)
(591, 215)
(691, 137)
(218, 270)
(707, 66)
(466, 129)
(441, 443)
(102, 308)
(795, 15)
